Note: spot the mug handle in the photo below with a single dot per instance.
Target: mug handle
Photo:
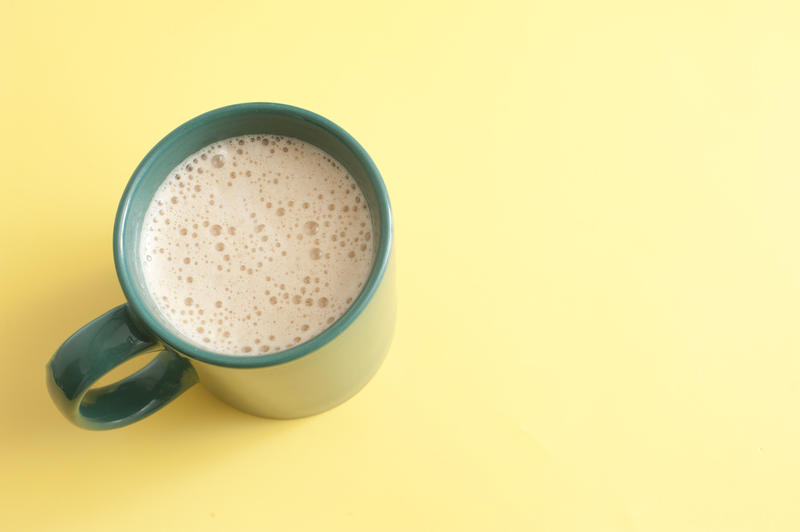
(96, 349)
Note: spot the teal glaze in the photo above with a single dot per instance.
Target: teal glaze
(96, 349)
(304, 380)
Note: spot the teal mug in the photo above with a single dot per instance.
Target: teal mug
(306, 379)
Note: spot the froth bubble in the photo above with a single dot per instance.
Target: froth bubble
(316, 253)
(188, 301)
(218, 161)
(216, 229)
(323, 302)
(311, 228)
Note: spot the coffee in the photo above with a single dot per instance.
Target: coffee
(255, 244)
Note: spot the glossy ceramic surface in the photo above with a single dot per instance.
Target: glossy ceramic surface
(304, 380)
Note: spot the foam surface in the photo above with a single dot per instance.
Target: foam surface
(255, 244)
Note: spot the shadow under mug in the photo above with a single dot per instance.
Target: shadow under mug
(306, 379)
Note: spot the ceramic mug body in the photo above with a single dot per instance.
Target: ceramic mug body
(306, 379)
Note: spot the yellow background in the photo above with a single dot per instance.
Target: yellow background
(598, 262)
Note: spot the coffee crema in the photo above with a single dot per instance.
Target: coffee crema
(255, 244)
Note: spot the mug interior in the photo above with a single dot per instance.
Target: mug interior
(220, 124)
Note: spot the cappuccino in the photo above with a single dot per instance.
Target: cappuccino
(255, 244)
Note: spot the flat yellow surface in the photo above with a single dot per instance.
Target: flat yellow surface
(597, 209)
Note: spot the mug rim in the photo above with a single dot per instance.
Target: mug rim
(379, 266)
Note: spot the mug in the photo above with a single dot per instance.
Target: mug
(306, 379)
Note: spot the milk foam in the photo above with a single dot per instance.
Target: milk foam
(255, 244)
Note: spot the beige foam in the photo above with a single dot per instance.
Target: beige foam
(255, 244)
